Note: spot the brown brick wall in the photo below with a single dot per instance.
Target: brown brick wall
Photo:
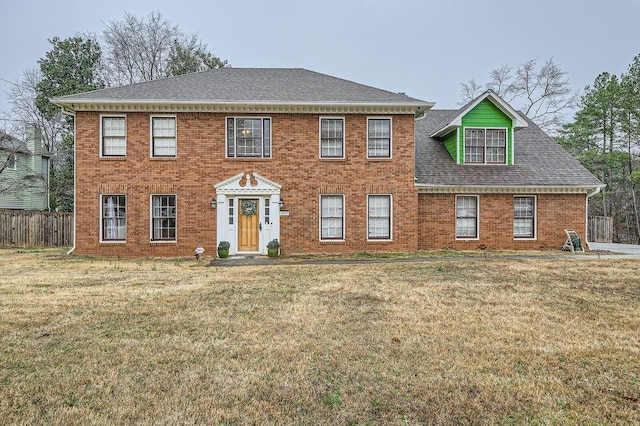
(555, 212)
(200, 164)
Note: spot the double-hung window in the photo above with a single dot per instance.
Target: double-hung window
(467, 216)
(331, 217)
(163, 136)
(524, 217)
(379, 217)
(379, 137)
(485, 146)
(163, 212)
(114, 217)
(114, 137)
(248, 137)
(331, 137)
(12, 162)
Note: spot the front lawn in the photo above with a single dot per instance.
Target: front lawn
(106, 341)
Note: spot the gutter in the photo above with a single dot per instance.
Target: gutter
(483, 189)
(69, 102)
(65, 111)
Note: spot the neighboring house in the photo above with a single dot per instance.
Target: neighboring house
(24, 181)
(319, 163)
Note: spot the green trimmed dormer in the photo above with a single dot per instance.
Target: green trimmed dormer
(482, 132)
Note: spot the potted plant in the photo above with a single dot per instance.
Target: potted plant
(223, 249)
(272, 248)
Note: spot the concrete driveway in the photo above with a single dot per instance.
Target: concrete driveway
(628, 249)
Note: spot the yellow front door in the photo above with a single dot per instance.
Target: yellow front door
(248, 225)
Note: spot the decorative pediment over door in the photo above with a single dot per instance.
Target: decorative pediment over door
(247, 183)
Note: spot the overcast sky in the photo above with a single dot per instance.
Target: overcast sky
(423, 48)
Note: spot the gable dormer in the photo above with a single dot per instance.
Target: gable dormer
(482, 132)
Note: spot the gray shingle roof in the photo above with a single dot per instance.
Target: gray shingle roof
(539, 161)
(9, 143)
(248, 85)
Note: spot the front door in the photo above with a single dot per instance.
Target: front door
(248, 224)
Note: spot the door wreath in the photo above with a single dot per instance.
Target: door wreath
(249, 207)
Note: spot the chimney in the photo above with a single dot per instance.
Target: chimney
(33, 138)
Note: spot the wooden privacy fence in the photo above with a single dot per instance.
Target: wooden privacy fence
(600, 229)
(35, 229)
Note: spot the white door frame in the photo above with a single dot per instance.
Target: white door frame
(228, 194)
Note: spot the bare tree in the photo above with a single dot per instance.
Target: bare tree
(544, 94)
(148, 48)
(137, 48)
(22, 97)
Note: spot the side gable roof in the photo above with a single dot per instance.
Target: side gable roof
(256, 87)
(9, 143)
(541, 164)
(451, 123)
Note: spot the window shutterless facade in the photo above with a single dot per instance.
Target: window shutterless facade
(331, 217)
(113, 140)
(524, 217)
(163, 136)
(485, 146)
(248, 137)
(163, 218)
(467, 217)
(379, 134)
(379, 217)
(331, 137)
(114, 218)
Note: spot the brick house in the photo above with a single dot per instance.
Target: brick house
(322, 164)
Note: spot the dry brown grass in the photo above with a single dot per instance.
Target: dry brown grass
(95, 341)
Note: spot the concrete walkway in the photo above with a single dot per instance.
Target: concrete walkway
(598, 251)
(628, 249)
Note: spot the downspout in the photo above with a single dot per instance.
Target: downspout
(72, 114)
(586, 215)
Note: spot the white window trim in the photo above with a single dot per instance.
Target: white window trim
(100, 224)
(390, 118)
(103, 116)
(535, 218)
(151, 240)
(344, 138)
(151, 117)
(390, 217)
(235, 147)
(506, 147)
(455, 218)
(344, 220)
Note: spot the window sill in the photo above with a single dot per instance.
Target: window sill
(163, 158)
(329, 242)
(381, 241)
(118, 242)
(485, 164)
(525, 239)
(467, 239)
(163, 242)
(379, 159)
(247, 159)
(338, 159)
(114, 158)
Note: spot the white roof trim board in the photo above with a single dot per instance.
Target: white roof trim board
(456, 121)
